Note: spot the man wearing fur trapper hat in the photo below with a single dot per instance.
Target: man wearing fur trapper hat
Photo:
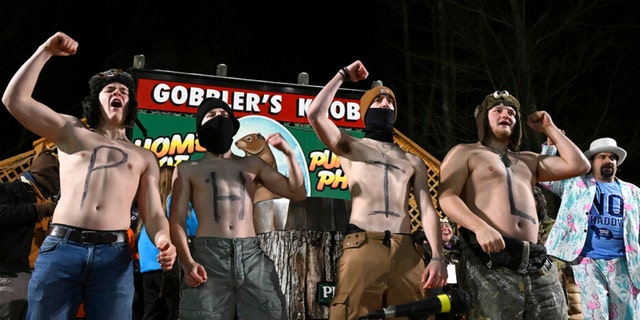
(92, 106)
(487, 189)
(380, 176)
(102, 174)
(221, 188)
(604, 241)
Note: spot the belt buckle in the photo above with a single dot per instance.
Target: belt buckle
(88, 236)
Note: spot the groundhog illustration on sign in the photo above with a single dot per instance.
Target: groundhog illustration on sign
(272, 214)
(255, 144)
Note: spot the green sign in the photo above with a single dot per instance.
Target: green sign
(172, 138)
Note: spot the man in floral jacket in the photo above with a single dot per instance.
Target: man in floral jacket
(596, 232)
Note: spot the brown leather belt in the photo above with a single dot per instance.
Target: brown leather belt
(86, 236)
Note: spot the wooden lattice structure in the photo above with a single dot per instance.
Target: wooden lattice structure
(12, 168)
(433, 173)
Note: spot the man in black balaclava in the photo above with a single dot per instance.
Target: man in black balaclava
(216, 134)
(378, 122)
(380, 177)
(220, 187)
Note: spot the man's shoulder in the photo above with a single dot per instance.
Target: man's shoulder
(410, 155)
(467, 145)
(147, 154)
(204, 163)
(77, 121)
(188, 165)
(464, 148)
(630, 185)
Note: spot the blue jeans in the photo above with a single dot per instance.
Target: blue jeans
(67, 273)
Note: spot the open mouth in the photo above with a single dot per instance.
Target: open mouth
(116, 103)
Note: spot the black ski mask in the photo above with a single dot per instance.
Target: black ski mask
(216, 135)
(378, 123)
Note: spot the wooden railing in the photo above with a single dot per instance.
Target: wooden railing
(11, 168)
(433, 174)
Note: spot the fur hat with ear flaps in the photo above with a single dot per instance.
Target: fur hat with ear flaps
(91, 103)
(482, 120)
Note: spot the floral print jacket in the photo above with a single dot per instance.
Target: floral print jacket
(569, 232)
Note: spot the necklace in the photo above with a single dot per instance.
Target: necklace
(504, 156)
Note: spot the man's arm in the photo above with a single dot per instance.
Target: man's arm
(435, 274)
(291, 187)
(317, 112)
(556, 186)
(33, 115)
(178, 209)
(194, 273)
(570, 163)
(153, 214)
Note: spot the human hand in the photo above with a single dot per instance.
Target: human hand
(539, 121)
(278, 142)
(357, 71)
(195, 275)
(45, 209)
(167, 255)
(434, 275)
(490, 240)
(61, 44)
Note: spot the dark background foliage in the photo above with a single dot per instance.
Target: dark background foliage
(578, 60)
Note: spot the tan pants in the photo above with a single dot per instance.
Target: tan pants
(372, 275)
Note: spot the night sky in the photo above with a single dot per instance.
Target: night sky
(254, 39)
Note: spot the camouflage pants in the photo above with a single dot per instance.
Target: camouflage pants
(501, 293)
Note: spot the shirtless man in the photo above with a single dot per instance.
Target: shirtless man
(378, 243)
(487, 188)
(225, 270)
(86, 256)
